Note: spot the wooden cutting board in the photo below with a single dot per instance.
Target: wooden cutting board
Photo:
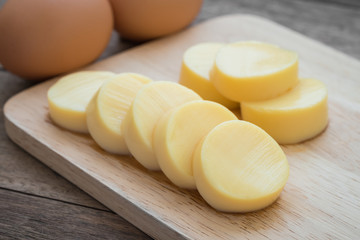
(321, 199)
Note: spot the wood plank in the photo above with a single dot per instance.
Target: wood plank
(28, 217)
(321, 198)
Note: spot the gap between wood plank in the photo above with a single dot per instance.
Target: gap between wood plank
(53, 199)
(339, 3)
(29, 217)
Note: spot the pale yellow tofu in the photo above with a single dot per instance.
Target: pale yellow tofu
(254, 71)
(197, 62)
(178, 133)
(70, 95)
(238, 167)
(150, 103)
(107, 109)
(297, 115)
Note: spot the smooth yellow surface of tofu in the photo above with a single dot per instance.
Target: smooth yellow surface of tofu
(150, 103)
(238, 167)
(293, 117)
(70, 95)
(254, 71)
(178, 133)
(107, 109)
(196, 65)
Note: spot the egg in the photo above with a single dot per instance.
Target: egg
(146, 19)
(40, 39)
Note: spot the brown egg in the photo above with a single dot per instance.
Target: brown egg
(39, 39)
(147, 19)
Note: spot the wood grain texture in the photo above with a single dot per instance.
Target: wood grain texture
(320, 200)
(58, 220)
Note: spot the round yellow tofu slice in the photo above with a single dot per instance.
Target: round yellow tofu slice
(196, 65)
(178, 133)
(293, 117)
(254, 71)
(150, 103)
(238, 167)
(70, 95)
(107, 109)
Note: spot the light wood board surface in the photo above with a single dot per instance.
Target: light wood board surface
(322, 197)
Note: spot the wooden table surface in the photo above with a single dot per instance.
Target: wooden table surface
(37, 203)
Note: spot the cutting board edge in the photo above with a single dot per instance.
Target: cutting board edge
(157, 229)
